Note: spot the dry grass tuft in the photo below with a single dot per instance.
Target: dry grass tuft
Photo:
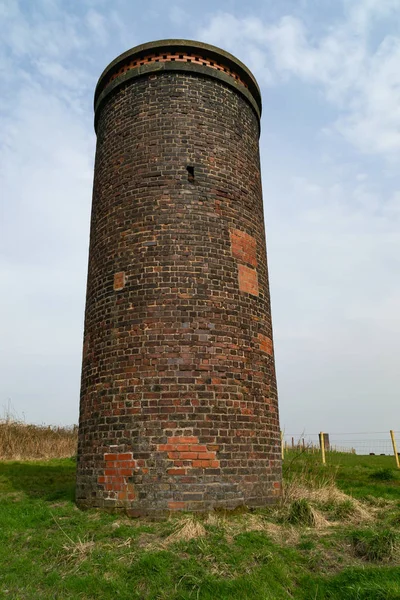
(19, 441)
(216, 519)
(75, 552)
(320, 522)
(281, 534)
(323, 494)
(254, 523)
(284, 535)
(79, 550)
(327, 494)
(187, 528)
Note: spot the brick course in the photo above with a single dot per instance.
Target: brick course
(178, 398)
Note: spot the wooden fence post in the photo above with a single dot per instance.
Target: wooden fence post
(322, 444)
(394, 448)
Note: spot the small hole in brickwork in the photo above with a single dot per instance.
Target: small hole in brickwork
(190, 171)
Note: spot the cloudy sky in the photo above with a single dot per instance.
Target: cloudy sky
(330, 78)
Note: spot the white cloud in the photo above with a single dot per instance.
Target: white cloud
(332, 225)
(361, 82)
(334, 259)
(98, 24)
(46, 152)
(362, 13)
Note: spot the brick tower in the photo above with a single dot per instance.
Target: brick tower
(178, 403)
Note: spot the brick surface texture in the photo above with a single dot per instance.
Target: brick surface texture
(178, 401)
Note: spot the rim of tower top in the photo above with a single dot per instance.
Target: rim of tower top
(178, 55)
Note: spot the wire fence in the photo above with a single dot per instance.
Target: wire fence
(361, 443)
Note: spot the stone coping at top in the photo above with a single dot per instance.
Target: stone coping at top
(178, 55)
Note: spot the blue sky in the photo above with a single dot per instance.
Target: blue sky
(330, 147)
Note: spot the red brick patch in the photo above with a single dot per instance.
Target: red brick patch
(119, 467)
(119, 281)
(176, 505)
(248, 280)
(276, 491)
(244, 247)
(265, 343)
(189, 450)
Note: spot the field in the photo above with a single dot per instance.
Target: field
(335, 536)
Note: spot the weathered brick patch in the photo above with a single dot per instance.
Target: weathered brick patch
(277, 488)
(248, 280)
(175, 505)
(119, 281)
(119, 468)
(244, 247)
(187, 453)
(265, 343)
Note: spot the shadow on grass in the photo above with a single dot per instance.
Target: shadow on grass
(51, 481)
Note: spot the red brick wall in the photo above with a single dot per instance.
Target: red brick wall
(178, 380)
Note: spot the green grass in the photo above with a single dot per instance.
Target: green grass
(359, 476)
(376, 545)
(51, 550)
(301, 513)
